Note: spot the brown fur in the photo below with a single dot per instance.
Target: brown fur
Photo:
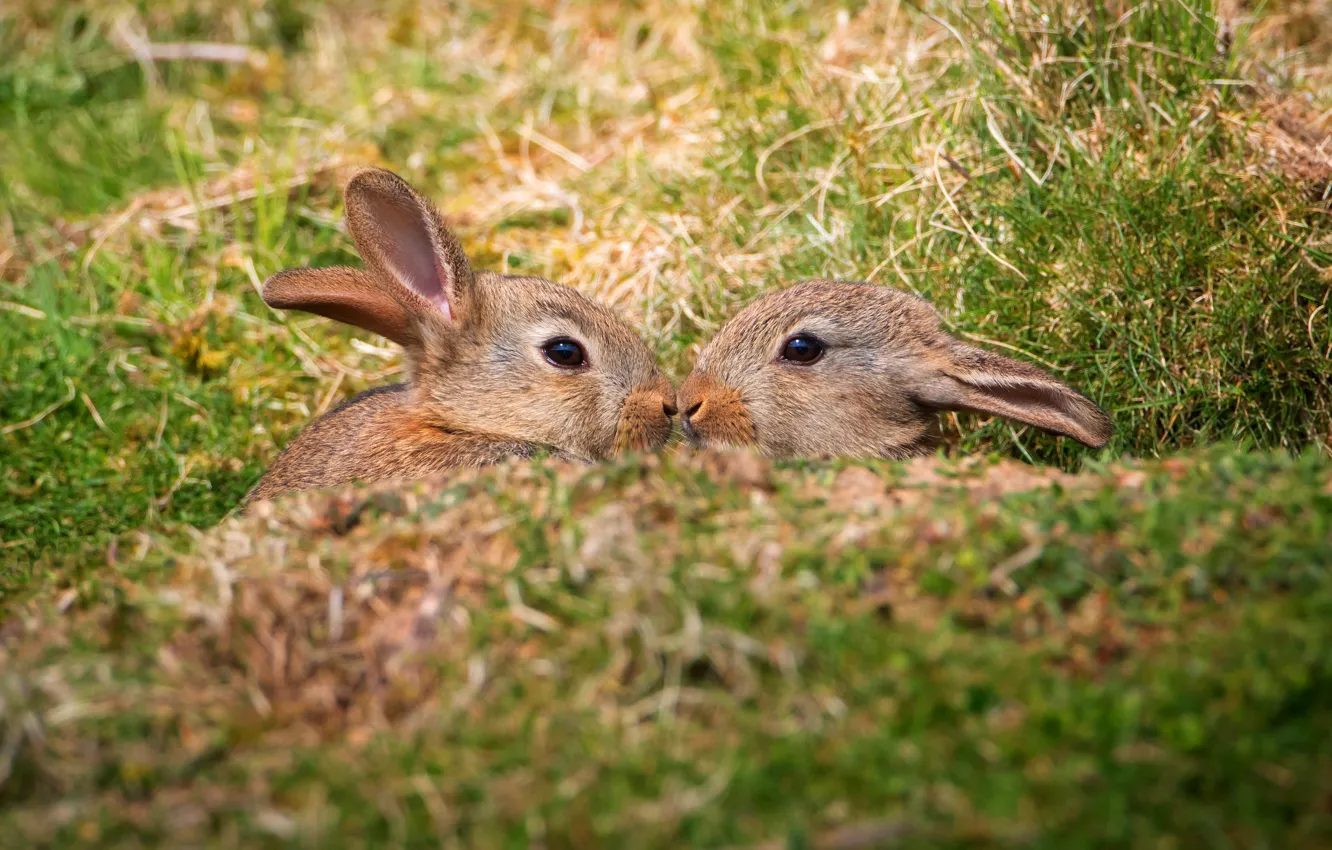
(888, 370)
(479, 388)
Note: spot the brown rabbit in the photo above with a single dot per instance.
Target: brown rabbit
(828, 368)
(498, 365)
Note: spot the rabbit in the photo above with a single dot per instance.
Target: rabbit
(833, 368)
(498, 365)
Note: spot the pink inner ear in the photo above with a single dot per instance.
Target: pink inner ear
(413, 256)
(446, 277)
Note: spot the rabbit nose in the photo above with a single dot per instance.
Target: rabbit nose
(690, 403)
(668, 409)
(687, 421)
(714, 413)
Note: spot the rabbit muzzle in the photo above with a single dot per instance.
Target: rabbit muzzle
(713, 414)
(645, 419)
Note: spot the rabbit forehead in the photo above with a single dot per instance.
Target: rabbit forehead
(530, 311)
(844, 315)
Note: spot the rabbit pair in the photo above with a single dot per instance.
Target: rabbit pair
(507, 366)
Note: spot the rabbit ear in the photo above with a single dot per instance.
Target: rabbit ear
(343, 294)
(402, 238)
(983, 382)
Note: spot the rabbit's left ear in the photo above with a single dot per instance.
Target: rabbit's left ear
(980, 381)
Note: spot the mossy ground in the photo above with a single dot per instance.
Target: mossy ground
(1042, 646)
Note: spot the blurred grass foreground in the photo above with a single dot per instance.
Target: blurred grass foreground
(1023, 644)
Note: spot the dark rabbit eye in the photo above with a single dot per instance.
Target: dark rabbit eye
(803, 349)
(564, 353)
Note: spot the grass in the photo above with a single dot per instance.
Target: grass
(686, 649)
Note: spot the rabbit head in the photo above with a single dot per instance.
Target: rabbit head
(829, 368)
(515, 359)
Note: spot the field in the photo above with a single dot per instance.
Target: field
(1023, 643)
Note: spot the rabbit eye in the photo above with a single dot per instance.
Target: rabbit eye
(564, 353)
(803, 349)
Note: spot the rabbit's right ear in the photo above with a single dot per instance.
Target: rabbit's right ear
(342, 294)
(401, 237)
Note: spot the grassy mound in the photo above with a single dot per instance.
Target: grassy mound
(703, 649)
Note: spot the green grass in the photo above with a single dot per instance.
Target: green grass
(1118, 193)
